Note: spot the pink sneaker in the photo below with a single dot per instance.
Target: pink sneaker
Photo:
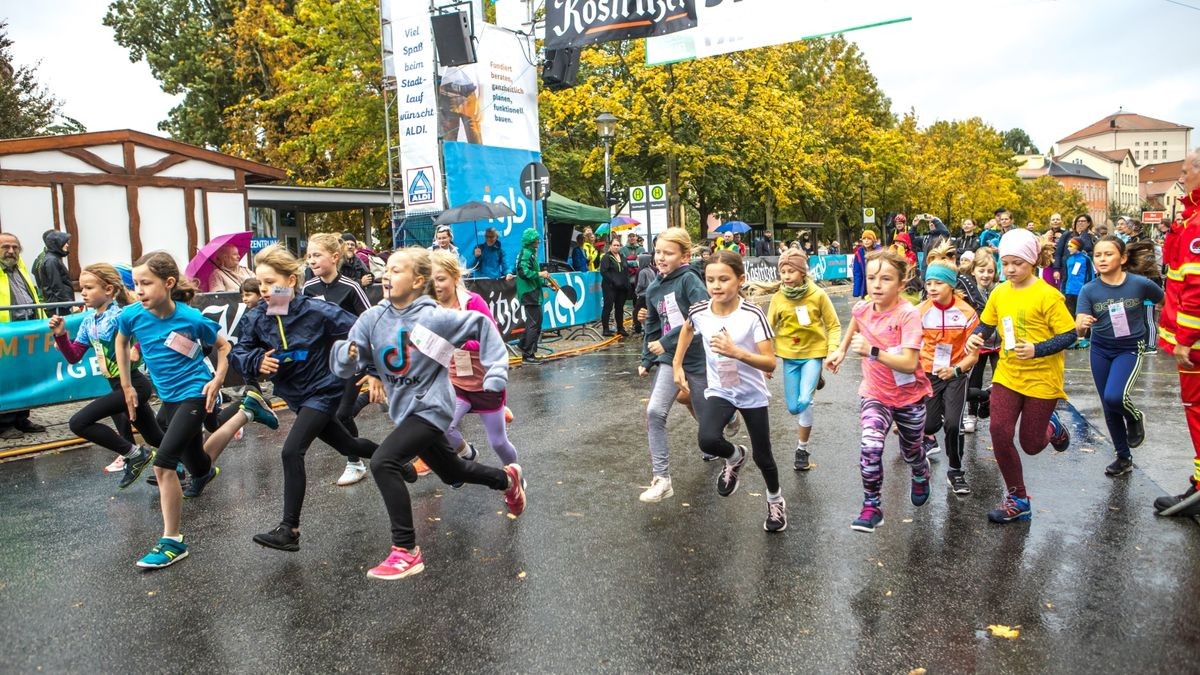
(117, 466)
(514, 496)
(399, 564)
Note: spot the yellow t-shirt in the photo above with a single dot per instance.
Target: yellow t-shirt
(1036, 313)
(812, 340)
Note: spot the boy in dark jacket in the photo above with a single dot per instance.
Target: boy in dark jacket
(50, 270)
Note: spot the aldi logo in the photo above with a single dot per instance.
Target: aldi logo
(420, 186)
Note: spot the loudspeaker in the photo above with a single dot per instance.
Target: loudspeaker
(452, 37)
(561, 68)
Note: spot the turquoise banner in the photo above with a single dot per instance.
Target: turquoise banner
(36, 374)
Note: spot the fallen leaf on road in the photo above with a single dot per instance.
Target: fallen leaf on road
(1138, 548)
(1049, 605)
(917, 671)
(572, 514)
(1114, 508)
(685, 504)
(907, 520)
(755, 494)
(1087, 449)
(999, 630)
(152, 593)
(569, 386)
(521, 575)
(511, 516)
(888, 594)
(558, 482)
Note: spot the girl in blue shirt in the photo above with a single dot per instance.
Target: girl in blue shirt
(171, 335)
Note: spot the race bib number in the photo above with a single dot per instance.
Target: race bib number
(432, 345)
(674, 316)
(182, 344)
(1010, 335)
(1075, 268)
(280, 300)
(802, 315)
(1120, 322)
(462, 362)
(900, 378)
(941, 355)
(727, 372)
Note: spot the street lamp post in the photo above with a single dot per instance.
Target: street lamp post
(606, 128)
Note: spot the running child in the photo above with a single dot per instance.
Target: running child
(668, 296)
(171, 336)
(738, 351)
(1113, 306)
(411, 341)
(977, 279)
(324, 259)
(806, 329)
(947, 320)
(1035, 327)
(466, 370)
(1079, 272)
(886, 331)
(104, 294)
(287, 338)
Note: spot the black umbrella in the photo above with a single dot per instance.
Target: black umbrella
(474, 211)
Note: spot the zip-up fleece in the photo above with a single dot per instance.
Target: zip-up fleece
(396, 343)
(688, 290)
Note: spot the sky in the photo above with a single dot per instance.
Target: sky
(1050, 67)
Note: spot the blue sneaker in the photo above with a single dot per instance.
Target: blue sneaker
(1013, 509)
(920, 490)
(1060, 436)
(166, 552)
(870, 518)
(198, 483)
(258, 409)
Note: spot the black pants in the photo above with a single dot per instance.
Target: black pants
(10, 419)
(310, 425)
(717, 412)
(346, 407)
(531, 303)
(212, 420)
(86, 423)
(417, 437)
(976, 381)
(639, 303)
(183, 439)
(944, 409)
(614, 303)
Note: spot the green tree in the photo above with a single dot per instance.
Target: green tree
(26, 107)
(1019, 142)
(1044, 196)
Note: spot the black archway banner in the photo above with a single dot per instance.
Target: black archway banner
(575, 23)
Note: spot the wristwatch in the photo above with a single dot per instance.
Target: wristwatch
(957, 371)
(874, 353)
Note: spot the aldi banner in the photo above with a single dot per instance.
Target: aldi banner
(576, 23)
(484, 173)
(416, 107)
(493, 101)
(726, 26)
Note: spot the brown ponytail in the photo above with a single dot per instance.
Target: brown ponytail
(163, 266)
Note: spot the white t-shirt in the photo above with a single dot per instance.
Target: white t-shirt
(739, 383)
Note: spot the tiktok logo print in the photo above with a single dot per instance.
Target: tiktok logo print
(398, 359)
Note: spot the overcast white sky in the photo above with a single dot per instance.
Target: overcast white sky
(1048, 66)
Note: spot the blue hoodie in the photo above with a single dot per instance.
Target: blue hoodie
(489, 264)
(412, 348)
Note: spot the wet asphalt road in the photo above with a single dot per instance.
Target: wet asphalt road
(591, 579)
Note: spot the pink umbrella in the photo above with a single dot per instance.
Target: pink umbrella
(202, 266)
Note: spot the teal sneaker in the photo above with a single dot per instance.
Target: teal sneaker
(258, 409)
(166, 552)
(135, 467)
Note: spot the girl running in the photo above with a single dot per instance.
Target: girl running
(170, 335)
(667, 298)
(947, 320)
(806, 330)
(324, 260)
(886, 331)
(1113, 306)
(466, 369)
(977, 279)
(1035, 327)
(738, 350)
(288, 338)
(410, 341)
(103, 292)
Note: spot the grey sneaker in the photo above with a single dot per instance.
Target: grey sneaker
(135, 467)
(801, 463)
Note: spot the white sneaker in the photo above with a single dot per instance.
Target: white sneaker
(117, 466)
(733, 426)
(660, 489)
(355, 471)
(968, 425)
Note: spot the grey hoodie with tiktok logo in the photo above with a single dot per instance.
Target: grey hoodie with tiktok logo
(412, 348)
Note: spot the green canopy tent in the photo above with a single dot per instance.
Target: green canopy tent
(563, 216)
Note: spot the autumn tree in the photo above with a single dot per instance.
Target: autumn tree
(26, 107)
(1044, 196)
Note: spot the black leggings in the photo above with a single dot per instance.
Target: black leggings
(717, 412)
(976, 382)
(416, 437)
(347, 408)
(944, 409)
(86, 423)
(183, 439)
(312, 424)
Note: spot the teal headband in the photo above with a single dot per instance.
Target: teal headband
(941, 273)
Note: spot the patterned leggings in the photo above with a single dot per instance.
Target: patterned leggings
(877, 419)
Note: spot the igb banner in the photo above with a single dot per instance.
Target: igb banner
(35, 372)
(575, 23)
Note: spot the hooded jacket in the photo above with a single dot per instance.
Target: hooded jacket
(302, 341)
(646, 273)
(489, 264)
(51, 275)
(526, 269)
(664, 319)
(411, 349)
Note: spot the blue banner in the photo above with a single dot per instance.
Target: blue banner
(828, 267)
(259, 243)
(35, 372)
(491, 174)
(559, 312)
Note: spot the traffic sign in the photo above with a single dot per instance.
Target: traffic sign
(535, 181)
(1153, 217)
(868, 215)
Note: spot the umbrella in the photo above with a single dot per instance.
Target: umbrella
(734, 226)
(474, 211)
(618, 224)
(202, 266)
